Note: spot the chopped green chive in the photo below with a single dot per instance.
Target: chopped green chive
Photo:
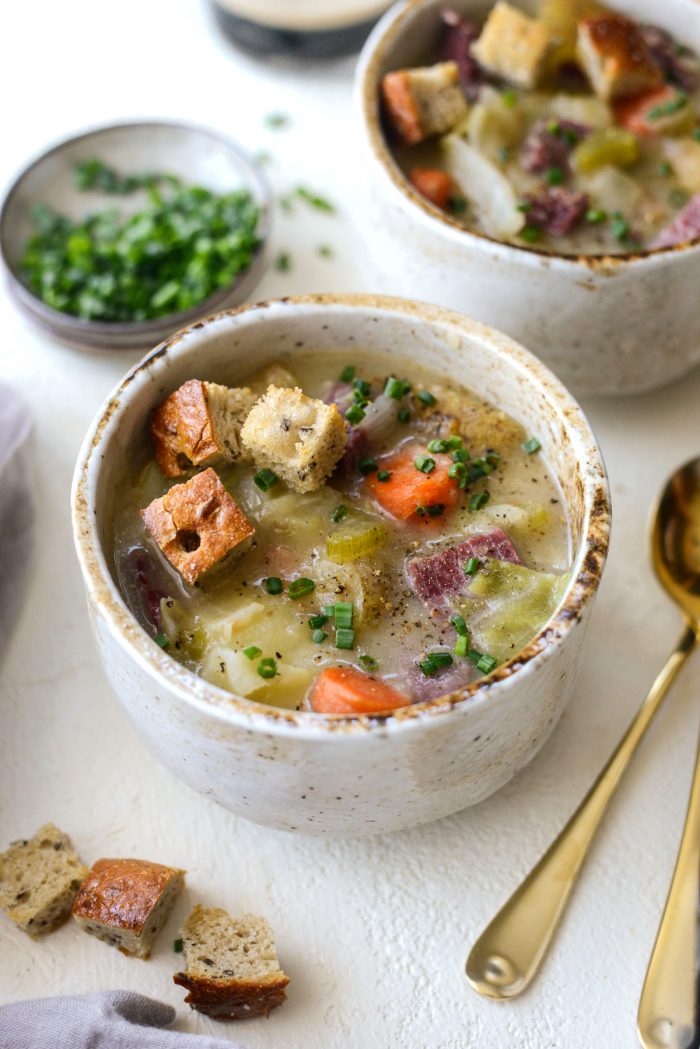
(275, 121)
(339, 513)
(369, 662)
(384, 475)
(354, 414)
(509, 98)
(342, 614)
(344, 638)
(435, 510)
(317, 621)
(252, 652)
(493, 459)
(300, 587)
(530, 234)
(459, 624)
(267, 668)
(162, 640)
(178, 946)
(404, 415)
(438, 446)
(553, 127)
(319, 636)
(665, 169)
(435, 661)
(424, 463)
(523, 205)
(457, 204)
(273, 585)
(325, 251)
(362, 386)
(531, 445)
(503, 154)
(453, 442)
(266, 479)
(426, 398)
(459, 455)
(555, 176)
(329, 610)
(678, 197)
(486, 664)
(457, 470)
(472, 566)
(620, 227)
(667, 109)
(316, 201)
(283, 262)
(478, 501)
(348, 373)
(595, 215)
(367, 465)
(462, 645)
(696, 134)
(396, 388)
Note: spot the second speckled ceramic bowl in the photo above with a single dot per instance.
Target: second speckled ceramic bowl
(320, 774)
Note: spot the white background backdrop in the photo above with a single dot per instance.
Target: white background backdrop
(373, 933)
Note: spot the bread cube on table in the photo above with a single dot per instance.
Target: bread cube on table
(39, 880)
(126, 902)
(615, 57)
(199, 425)
(514, 46)
(298, 437)
(197, 524)
(232, 967)
(425, 101)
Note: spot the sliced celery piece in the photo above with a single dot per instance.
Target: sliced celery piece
(606, 146)
(355, 538)
(515, 602)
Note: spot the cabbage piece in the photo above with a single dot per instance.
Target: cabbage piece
(582, 109)
(493, 126)
(684, 155)
(612, 190)
(488, 189)
(235, 672)
(514, 603)
(307, 514)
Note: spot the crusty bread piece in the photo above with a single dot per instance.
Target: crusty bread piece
(425, 101)
(199, 424)
(615, 57)
(298, 437)
(197, 524)
(232, 968)
(514, 46)
(126, 902)
(39, 880)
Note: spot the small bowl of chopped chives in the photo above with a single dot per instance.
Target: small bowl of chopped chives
(117, 237)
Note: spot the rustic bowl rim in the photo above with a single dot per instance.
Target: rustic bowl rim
(227, 707)
(85, 331)
(384, 35)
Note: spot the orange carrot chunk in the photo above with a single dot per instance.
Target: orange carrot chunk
(433, 184)
(410, 493)
(344, 690)
(653, 112)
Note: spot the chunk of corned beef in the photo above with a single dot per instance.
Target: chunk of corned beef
(438, 577)
(146, 584)
(458, 38)
(556, 210)
(685, 226)
(421, 687)
(549, 145)
(677, 65)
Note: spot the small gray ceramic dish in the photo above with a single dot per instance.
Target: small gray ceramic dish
(198, 156)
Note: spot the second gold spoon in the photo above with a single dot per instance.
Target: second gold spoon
(508, 954)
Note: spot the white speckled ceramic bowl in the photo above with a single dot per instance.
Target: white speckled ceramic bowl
(606, 325)
(329, 774)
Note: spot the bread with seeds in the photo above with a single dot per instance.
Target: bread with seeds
(513, 46)
(39, 880)
(232, 968)
(615, 56)
(424, 101)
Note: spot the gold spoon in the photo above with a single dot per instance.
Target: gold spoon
(507, 955)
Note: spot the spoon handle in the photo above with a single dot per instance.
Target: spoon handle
(508, 953)
(669, 1006)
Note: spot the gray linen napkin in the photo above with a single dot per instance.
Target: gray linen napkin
(16, 507)
(107, 1020)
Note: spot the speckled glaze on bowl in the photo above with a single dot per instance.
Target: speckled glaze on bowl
(330, 774)
(195, 154)
(606, 325)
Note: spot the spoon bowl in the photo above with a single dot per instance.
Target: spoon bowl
(675, 538)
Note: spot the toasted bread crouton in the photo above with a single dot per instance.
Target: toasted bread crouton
(39, 880)
(514, 46)
(126, 902)
(298, 437)
(197, 524)
(199, 424)
(425, 101)
(615, 56)
(232, 968)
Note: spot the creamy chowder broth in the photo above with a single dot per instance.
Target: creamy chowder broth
(576, 131)
(423, 565)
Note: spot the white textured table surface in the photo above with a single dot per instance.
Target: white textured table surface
(373, 933)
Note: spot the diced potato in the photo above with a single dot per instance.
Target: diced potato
(516, 602)
(493, 126)
(357, 537)
(302, 515)
(234, 671)
(605, 147)
(362, 583)
(582, 109)
(490, 192)
(612, 190)
(684, 155)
